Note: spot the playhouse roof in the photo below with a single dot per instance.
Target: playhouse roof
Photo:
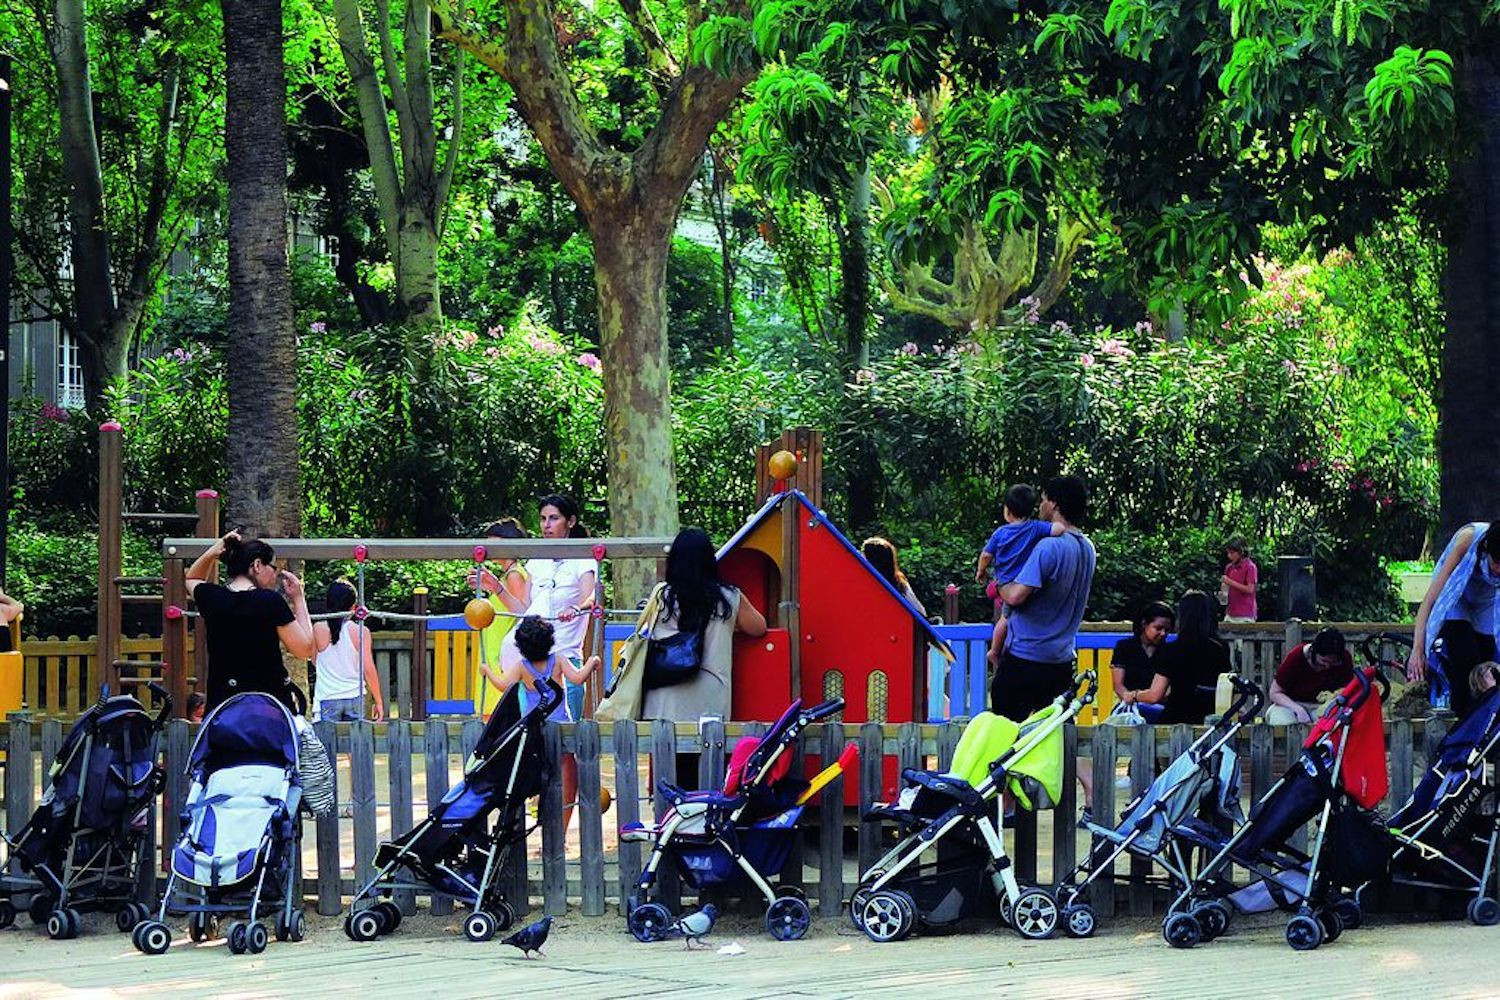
(774, 500)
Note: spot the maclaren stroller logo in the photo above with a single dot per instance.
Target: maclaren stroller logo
(1461, 811)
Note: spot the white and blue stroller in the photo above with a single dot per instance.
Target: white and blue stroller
(240, 831)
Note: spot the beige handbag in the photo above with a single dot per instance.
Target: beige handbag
(626, 696)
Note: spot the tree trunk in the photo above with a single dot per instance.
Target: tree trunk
(264, 487)
(418, 294)
(1468, 448)
(88, 239)
(631, 249)
(854, 262)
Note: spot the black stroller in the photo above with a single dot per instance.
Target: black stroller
(456, 850)
(81, 850)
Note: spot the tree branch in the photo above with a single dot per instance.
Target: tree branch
(374, 121)
(393, 78)
(698, 101)
(421, 147)
(455, 141)
(660, 61)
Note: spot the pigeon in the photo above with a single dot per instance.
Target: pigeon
(531, 937)
(695, 926)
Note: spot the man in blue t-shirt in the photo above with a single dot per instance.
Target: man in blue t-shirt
(1047, 600)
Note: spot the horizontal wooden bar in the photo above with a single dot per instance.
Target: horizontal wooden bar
(140, 598)
(125, 581)
(146, 515)
(148, 664)
(455, 549)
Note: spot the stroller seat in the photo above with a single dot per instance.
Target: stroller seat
(228, 824)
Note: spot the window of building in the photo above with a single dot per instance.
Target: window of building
(69, 372)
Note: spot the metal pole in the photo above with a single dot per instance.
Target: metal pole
(7, 270)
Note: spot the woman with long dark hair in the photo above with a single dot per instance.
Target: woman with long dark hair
(1133, 665)
(346, 662)
(881, 553)
(694, 599)
(1188, 670)
(248, 621)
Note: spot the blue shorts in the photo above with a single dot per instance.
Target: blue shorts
(341, 709)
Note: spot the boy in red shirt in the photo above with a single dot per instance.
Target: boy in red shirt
(1241, 578)
(1324, 664)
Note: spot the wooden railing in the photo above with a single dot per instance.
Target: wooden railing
(391, 772)
(62, 675)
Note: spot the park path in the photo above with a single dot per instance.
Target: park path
(594, 957)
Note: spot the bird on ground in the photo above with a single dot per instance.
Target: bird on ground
(695, 926)
(531, 937)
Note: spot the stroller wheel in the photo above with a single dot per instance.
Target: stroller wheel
(857, 907)
(363, 926)
(782, 889)
(152, 937)
(1181, 930)
(7, 913)
(202, 927)
(63, 925)
(505, 915)
(390, 915)
(1350, 913)
(256, 938)
(1304, 932)
(1333, 925)
(127, 916)
(1035, 914)
(40, 908)
(237, 937)
(648, 922)
(1484, 911)
(1213, 919)
(479, 926)
(1007, 911)
(1079, 920)
(788, 918)
(888, 915)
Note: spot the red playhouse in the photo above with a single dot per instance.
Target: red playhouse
(856, 636)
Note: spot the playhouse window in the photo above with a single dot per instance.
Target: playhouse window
(833, 687)
(877, 696)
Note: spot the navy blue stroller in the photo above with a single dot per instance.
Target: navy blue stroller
(240, 831)
(457, 850)
(81, 850)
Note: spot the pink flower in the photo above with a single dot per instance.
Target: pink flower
(496, 331)
(1117, 348)
(864, 376)
(318, 326)
(1303, 466)
(1144, 326)
(910, 348)
(541, 344)
(1290, 366)
(590, 361)
(1032, 309)
(492, 352)
(1061, 326)
(1087, 360)
(51, 411)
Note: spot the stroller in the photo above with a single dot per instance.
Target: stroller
(740, 835)
(955, 816)
(1340, 772)
(1444, 837)
(456, 850)
(81, 849)
(240, 831)
(1200, 788)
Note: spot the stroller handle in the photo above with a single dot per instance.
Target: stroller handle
(1249, 698)
(1089, 681)
(830, 707)
(1370, 648)
(165, 697)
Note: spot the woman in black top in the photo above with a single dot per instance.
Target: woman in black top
(1133, 665)
(1187, 671)
(248, 621)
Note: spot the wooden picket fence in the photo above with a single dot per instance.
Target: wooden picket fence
(390, 772)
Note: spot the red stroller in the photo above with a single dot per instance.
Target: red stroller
(1340, 771)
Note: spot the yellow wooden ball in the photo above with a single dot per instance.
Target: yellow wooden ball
(479, 613)
(782, 465)
(604, 799)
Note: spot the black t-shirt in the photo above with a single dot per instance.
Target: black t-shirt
(1131, 657)
(1192, 668)
(244, 651)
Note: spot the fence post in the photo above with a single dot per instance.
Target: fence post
(950, 605)
(398, 763)
(590, 820)
(362, 796)
(330, 878)
(664, 768)
(554, 850)
(871, 775)
(111, 488)
(174, 628)
(435, 738)
(627, 805)
(208, 527)
(831, 829)
(711, 756)
(1065, 815)
(1142, 773)
(1103, 898)
(420, 668)
(19, 783)
(1401, 776)
(1296, 733)
(1292, 638)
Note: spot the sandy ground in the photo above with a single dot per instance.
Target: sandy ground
(595, 957)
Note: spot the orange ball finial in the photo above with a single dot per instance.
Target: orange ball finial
(782, 465)
(479, 613)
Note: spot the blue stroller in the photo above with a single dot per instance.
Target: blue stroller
(81, 849)
(240, 831)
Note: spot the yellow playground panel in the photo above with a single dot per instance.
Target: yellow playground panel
(12, 672)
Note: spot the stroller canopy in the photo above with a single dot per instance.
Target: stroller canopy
(250, 728)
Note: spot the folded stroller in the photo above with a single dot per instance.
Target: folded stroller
(1444, 837)
(955, 817)
(1341, 770)
(81, 849)
(458, 850)
(1200, 788)
(735, 838)
(240, 831)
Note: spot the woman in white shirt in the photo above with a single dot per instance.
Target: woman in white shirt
(345, 651)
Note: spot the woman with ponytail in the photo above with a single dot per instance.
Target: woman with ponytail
(346, 662)
(248, 621)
